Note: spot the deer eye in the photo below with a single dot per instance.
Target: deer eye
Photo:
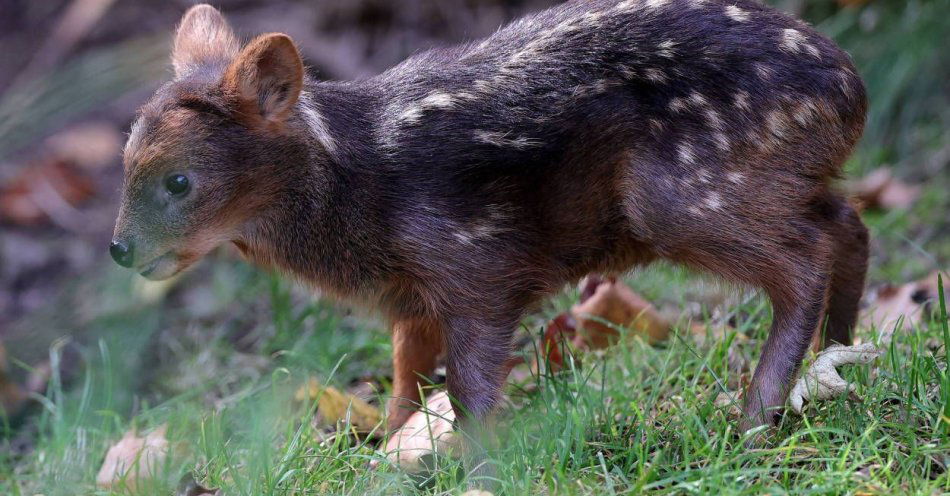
(176, 184)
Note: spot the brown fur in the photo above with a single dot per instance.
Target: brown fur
(457, 190)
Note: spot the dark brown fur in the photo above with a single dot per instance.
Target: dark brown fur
(457, 190)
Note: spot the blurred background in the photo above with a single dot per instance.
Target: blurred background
(73, 72)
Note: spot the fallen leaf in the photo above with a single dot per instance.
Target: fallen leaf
(614, 302)
(49, 190)
(821, 381)
(907, 304)
(133, 459)
(427, 431)
(336, 406)
(560, 331)
(879, 189)
(730, 401)
(92, 145)
(188, 486)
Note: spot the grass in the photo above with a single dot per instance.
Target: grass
(219, 357)
(636, 419)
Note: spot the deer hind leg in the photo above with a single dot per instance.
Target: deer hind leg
(850, 239)
(417, 344)
(797, 283)
(790, 257)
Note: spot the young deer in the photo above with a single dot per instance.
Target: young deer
(459, 188)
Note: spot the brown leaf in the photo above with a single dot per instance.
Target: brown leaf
(731, 402)
(427, 431)
(44, 191)
(133, 459)
(335, 406)
(907, 303)
(92, 145)
(614, 302)
(821, 381)
(560, 331)
(880, 189)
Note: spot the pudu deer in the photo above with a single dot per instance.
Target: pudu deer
(456, 190)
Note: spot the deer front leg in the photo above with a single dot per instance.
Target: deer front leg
(477, 360)
(417, 344)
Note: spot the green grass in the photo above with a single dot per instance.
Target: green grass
(219, 358)
(636, 419)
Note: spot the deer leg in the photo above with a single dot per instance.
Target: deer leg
(417, 344)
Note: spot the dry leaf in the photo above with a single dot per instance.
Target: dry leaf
(880, 189)
(560, 331)
(43, 191)
(336, 406)
(92, 145)
(614, 302)
(605, 304)
(427, 431)
(821, 381)
(907, 303)
(133, 459)
(729, 401)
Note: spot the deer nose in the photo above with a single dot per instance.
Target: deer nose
(121, 253)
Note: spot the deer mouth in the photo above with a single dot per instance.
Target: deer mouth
(161, 267)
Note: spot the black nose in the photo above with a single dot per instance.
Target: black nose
(121, 253)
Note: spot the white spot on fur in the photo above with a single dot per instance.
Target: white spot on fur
(794, 41)
(737, 14)
(482, 86)
(666, 49)
(502, 140)
(627, 5)
(703, 175)
(741, 100)
(697, 98)
(685, 153)
(595, 88)
(656, 4)
(763, 70)
(713, 119)
(315, 122)
(805, 111)
(777, 122)
(677, 104)
(722, 141)
(735, 177)
(713, 201)
(845, 77)
(655, 75)
(463, 237)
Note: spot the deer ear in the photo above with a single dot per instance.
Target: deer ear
(266, 79)
(203, 37)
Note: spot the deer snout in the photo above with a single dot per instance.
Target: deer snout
(122, 252)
